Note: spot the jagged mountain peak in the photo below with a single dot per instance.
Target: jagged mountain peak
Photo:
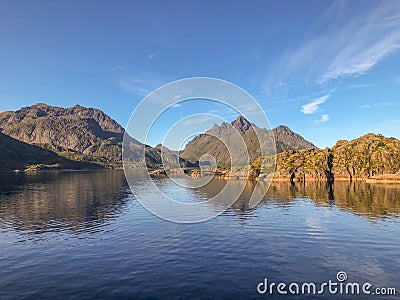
(242, 123)
(252, 135)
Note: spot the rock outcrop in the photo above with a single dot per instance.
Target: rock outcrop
(368, 157)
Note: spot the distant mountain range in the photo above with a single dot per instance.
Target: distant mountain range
(91, 136)
(43, 136)
(255, 139)
(76, 133)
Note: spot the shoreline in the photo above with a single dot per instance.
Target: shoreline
(222, 174)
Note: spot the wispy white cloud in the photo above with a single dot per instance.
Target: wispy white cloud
(198, 119)
(116, 68)
(135, 85)
(151, 56)
(342, 42)
(313, 106)
(364, 106)
(141, 83)
(371, 37)
(324, 119)
(359, 86)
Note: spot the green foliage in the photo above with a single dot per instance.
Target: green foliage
(370, 155)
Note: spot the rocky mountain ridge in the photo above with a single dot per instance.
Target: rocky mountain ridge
(78, 133)
(278, 139)
(371, 156)
(79, 137)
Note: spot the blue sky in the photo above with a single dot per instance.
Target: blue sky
(328, 69)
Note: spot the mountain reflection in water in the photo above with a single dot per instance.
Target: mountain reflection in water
(83, 235)
(56, 201)
(86, 201)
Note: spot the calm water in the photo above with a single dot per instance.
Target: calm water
(83, 235)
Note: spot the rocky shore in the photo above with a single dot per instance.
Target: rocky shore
(245, 174)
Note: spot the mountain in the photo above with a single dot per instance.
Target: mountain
(286, 139)
(17, 155)
(78, 133)
(254, 138)
(370, 156)
(43, 136)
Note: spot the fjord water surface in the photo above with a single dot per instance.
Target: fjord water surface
(83, 235)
